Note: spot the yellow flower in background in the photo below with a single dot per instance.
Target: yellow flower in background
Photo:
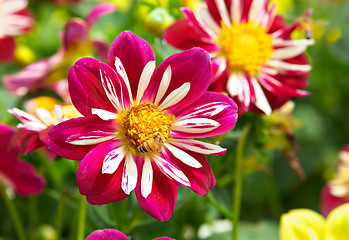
(306, 224)
(283, 6)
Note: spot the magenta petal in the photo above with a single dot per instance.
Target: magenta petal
(101, 49)
(76, 31)
(192, 66)
(85, 87)
(134, 53)
(226, 116)
(98, 187)
(84, 126)
(330, 202)
(161, 202)
(107, 234)
(30, 78)
(8, 152)
(201, 179)
(23, 177)
(27, 141)
(98, 11)
(7, 49)
(212, 8)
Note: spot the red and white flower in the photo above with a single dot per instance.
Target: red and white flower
(253, 56)
(34, 126)
(336, 191)
(17, 176)
(126, 102)
(15, 20)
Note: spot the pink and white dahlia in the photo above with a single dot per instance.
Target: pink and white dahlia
(34, 127)
(15, 20)
(17, 176)
(139, 123)
(253, 56)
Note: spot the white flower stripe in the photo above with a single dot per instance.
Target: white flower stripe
(279, 42)
(122, 72)
(282, 65)
(288, 52)
(171, 171)
(147, 178)
(234, 84)
(112, 160)
(223, 12)
(29, 122)
(183, 156)
(129, 175)
(236, 12)
(208, 110)
(110, 91)
(175, 96)
(261, 101)
(165, 82)
(145, 79)
(210, 26)
(196, 146)
(195, 125)
(45, 116)
(103, 114)
(93, 138)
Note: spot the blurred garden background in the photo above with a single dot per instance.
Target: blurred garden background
(270, 186)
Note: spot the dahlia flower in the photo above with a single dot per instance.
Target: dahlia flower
(15, 20)
(51, 72)
(35, 125)
(139, 123)
(306, 224)
(17, 176)
(336, 191)
(112, 234)
(253, 56)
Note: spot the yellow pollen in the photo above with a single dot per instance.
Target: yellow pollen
(142, 121)
(246, 46)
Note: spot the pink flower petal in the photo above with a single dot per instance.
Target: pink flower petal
(161, 201)
(86, 85)
(98, 11)
(25, 180)
(7, 49)
(107, 234)
(75, 31)
(330, 202)
(134, 53)
(214, 106)
(191, 66)
(98, 187)
(84, 126)
(8, 152)
(201, 179)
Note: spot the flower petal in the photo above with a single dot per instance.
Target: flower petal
(129, 174)
(145, 78)
(197, 146)
(98, 11)
(75, 31)
(161, 202)
(84, 126)
(113, 159)
(183, 156)
(134, 53)
(192, 66)
(147, 178)
(98, 187)
(107, 234)
(7, 49)
(214, 106)
(201, 179)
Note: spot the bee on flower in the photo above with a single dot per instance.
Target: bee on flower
(253, 56)
(129, 102)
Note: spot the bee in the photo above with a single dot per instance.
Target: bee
(153, 144)
(306, 25)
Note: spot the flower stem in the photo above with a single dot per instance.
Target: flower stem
(81, 219)
(60, 214)
(238, 180)
(13, 214)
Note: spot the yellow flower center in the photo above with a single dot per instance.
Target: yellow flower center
(246, 46)
(142, 121)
